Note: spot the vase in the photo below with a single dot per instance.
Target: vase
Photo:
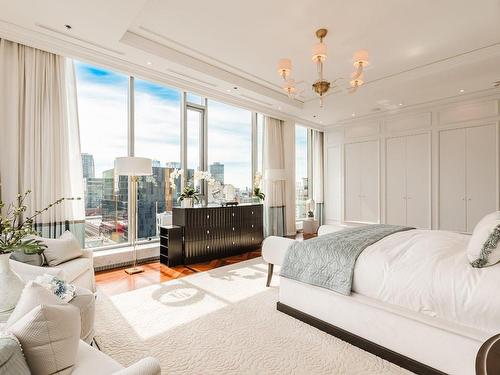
(187, 203)
(11, 287)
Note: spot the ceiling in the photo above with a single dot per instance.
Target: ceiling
(419, 51)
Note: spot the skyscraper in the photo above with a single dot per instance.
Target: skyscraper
(217, 171)
(88, 166)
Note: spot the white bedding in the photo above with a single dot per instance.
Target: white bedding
(428, 271)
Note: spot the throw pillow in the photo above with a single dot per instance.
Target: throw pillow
(484, 246)
(12, 359)
(49, 336)
(62, 249)
(58, 286)
(32, 295)
(32, 259)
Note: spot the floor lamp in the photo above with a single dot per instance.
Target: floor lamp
(133, 167)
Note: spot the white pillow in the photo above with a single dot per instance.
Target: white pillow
(49, 337)
(62, 249)
(484, 246)
(33, 295)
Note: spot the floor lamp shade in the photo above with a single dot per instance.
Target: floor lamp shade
(133, 166)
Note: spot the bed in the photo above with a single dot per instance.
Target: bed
(415, 301)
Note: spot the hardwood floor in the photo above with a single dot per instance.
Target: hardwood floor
(117, 281)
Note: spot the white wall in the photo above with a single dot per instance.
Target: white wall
(431, 119)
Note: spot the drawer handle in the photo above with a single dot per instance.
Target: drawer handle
(233, 229)
(208, 216)
(252, 212)
(208, 247)
(252, 238)
(208, 232)
(233, 242)
(233, 213)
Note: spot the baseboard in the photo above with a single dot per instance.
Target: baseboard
(371, 347)
(126, 264)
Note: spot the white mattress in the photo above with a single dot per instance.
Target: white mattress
(428, 272)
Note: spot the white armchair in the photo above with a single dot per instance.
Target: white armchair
(79, 271)
(92, 361)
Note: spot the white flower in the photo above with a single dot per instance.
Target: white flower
(201, 175)
(257, 180)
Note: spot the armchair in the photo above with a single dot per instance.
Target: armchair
(79, 271)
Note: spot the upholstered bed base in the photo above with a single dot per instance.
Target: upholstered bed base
(414, 341)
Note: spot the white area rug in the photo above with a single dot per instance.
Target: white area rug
(223, 321)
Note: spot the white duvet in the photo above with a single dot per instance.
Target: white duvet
(428, 271)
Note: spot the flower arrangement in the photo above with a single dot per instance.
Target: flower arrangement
(189, 192)
(174, 175)
(257, 181)
(14, 229)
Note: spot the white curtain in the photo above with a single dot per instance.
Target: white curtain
(39, 132)
(318, 174)
(274, 178)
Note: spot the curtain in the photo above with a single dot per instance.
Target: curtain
(318, 174)
(274, 178)
(39, 133)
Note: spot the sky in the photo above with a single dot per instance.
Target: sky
(102, 105)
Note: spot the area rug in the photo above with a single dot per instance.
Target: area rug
(222, 321)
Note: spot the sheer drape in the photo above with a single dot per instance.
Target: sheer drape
(274, 178)
(318, 174)
(39, 134)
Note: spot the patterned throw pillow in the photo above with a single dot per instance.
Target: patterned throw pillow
(59, 287)
(484, 246)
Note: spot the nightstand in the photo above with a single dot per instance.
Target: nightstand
(171, 245)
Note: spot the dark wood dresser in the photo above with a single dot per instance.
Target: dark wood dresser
(216, 232)
(171, 245)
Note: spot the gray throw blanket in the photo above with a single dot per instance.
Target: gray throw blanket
(328, 260)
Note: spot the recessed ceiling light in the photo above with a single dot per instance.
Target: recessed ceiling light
(149, 63)
(68, 27)
(353, 114)
(314, 116)
(462, 90)
(400, 104)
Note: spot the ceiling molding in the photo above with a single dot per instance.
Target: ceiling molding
(492, 93)
(210, 59)
(150, 46)
(69, 49)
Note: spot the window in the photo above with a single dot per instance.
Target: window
(222, 144)
(230, 147)
(301, 171)
(102, 105)
(158, 137)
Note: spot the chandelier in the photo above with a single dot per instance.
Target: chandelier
(321, 86)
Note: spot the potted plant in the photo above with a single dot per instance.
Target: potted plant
(15, 232)
(188, 196)
(257, 192)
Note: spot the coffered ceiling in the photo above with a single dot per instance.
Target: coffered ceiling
(420, 51)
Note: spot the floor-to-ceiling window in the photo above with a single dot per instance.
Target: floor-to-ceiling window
(158, 137)
(301, 171)
(230, 147)
(102, 107)
(127, 116)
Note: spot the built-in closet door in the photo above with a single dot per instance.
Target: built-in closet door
(481, 171)
(452, 159)
(352, 187)
(468, 173)
(408, 181)
(395, 181)
(361, 189)
(418, 191)
(370, 182)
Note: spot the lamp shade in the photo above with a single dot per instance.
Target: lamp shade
(275, 174)
(360, 56)
(284, 67)
(319, 52)
(133, 166)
